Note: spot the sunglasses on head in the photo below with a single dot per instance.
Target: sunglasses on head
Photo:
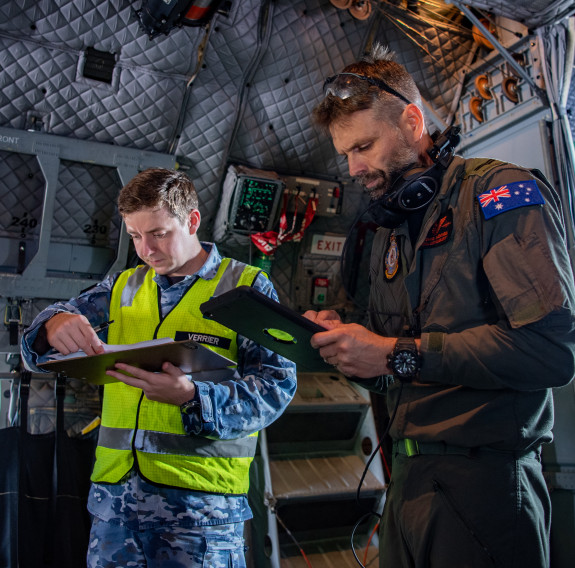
(345, 85)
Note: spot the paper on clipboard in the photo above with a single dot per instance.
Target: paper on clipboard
(190, 356)
(112, 348)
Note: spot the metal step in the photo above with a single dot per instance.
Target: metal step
(320, 477)
(333, 559)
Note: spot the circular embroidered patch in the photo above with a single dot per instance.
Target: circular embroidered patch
(391, 258)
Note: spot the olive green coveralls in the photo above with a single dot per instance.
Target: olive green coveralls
(494, 305)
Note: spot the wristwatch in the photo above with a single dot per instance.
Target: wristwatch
(190, 407)
(404, 360)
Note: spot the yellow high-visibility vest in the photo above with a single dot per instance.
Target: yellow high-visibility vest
(137, 432)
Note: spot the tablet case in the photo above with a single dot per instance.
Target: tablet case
(266, 322)
(190, 356)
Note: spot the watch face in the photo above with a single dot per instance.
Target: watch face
(405, 364)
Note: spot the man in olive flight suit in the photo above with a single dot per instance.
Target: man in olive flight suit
(471, 324)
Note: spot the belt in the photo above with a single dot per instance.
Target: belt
(408, 447)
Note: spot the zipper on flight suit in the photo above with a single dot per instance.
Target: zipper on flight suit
(446, 498)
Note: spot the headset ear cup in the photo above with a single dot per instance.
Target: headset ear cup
(382, 216)
(415, 189)
(420, 191)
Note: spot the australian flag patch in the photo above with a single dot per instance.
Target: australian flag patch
(510, 196)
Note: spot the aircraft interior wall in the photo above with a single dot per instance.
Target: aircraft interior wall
(89, 96)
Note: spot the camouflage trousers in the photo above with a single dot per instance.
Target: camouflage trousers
(113, 546)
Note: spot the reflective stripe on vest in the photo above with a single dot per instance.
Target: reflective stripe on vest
(177, 444)
(135, 429)
(230, 278)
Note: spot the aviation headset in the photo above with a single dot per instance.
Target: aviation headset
(415, 188)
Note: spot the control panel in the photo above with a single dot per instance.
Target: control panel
(255, 204)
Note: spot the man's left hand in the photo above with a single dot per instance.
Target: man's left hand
(171, 385)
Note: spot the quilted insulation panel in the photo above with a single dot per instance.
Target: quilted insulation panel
(239, 90)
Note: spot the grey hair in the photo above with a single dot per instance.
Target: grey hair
(379, 52)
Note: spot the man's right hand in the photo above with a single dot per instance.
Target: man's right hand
(326, 318)
(351, 348)
(68, 333)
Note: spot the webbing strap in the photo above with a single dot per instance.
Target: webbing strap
(410, 448)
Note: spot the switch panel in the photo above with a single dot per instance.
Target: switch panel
(255, 204)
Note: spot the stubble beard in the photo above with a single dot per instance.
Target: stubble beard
(404, 157)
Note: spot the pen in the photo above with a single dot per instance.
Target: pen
(103, 326)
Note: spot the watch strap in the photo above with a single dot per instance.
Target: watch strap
(405, 343)
(399, 363)
(190, 407)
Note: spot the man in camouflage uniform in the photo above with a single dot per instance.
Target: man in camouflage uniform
(172, 463)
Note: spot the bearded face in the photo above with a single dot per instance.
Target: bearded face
(376, 151)
(379, 181)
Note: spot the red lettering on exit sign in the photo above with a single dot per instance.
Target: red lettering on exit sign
(330, 245)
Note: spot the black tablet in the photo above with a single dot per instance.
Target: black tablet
(265, 321)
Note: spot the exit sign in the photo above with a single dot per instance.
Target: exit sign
(329, 245)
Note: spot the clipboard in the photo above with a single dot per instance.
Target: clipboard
(189, 355)
(266, 322)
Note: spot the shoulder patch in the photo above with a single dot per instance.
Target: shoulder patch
(510, 196)
(392, 258)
